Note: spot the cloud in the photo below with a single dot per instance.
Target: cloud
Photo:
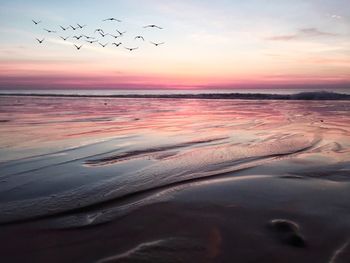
(282, 37)
(334, 16)
(314, 32)
(301, 34)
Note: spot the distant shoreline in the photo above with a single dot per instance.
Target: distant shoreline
(233, 96)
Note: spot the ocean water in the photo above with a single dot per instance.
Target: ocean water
(80, 162)
(106, 92)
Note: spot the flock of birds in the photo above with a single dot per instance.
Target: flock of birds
(93, 39)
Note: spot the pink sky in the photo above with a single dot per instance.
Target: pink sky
(237, 45)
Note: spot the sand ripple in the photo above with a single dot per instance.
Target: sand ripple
(190, 165)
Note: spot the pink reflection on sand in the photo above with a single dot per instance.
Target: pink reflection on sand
(42, 123)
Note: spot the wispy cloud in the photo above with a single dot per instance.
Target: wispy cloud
(314, 32)
(282, 37)
(301, 34)
(334, 16)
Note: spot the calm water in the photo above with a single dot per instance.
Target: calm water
(169, 91)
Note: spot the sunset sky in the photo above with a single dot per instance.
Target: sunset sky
(208, 44)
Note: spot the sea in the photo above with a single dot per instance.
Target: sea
(107, 92)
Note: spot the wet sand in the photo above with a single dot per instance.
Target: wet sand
(219, 220)
(135, 180)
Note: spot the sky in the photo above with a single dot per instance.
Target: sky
(222, 44)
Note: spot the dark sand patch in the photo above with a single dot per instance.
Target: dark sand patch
(223, 219)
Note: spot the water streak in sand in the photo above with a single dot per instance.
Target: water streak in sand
(164, 250)
(193, 164)
(131, 252)
(337, 256)
(145, 152)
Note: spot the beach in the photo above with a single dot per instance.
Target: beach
(147, 179)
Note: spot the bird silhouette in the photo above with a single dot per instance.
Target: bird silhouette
(91, 41)
(78, 47)
(102, 34)
(112, 19)
(157, 44)
(64, 28)
(131, 49)
(81, 26)
(74, 28)
(36, 22)
(103, 45)
(140, 37)
(49, 31)
(87, 37)
(153, 26)
(120, 33)
(64, 38)
(40, 41)
(114, 36)
(99, 30)
(78, 37)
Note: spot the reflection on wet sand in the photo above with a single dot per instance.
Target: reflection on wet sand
(220, 170)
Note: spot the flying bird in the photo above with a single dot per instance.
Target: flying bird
(153, 26)
(112, 19)
(87, 37)
(131, 49)
(74, 28)
(78, 47)
(117, 45)
(64, 38)
(81, 26)
(78, 37)
(49, 31)
(64, 28)
(99, 30)
(140, 37)
(91, 41)
(102, 34)
(157, 44)
(121, 33)
(40, 41)
(103, 45)
(36, 22)
(114, 36)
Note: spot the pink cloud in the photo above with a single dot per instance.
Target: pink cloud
(301, 34)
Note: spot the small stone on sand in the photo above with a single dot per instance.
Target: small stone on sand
(288, 232)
